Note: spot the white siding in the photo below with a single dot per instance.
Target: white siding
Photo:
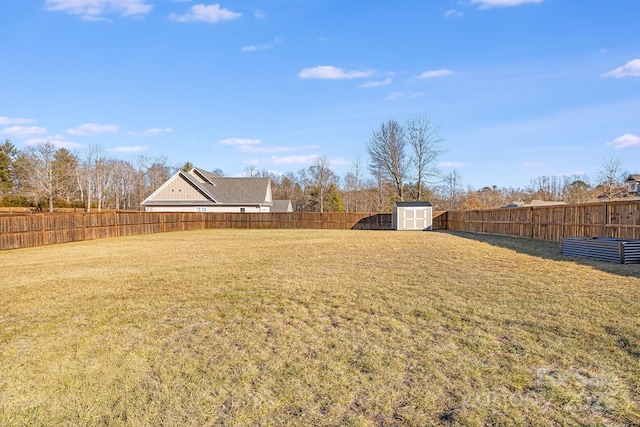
(210, 208)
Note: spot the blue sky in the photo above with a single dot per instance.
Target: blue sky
(521, 88)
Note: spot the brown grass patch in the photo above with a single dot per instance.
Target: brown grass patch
(312, 327)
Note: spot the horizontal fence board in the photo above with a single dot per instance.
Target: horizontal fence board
(30, 230)
(606, 220)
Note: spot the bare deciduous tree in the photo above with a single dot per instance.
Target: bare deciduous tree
(425, 141)
(611, 176)
(321, 177)
(38, 172)
(386, 149)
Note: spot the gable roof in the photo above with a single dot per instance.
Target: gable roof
(533, 203)
(633, 177)
(411, 204)
(282, 206)
(218, 189)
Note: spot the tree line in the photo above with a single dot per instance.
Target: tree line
(401, 164)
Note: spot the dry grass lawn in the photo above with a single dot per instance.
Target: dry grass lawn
(316, 328)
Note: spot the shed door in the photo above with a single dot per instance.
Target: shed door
(414, 218)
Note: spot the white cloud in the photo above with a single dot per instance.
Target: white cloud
(93, 10)
(434, 73)
(451, 164)
(131, 149)
(339, 161)
(486, 4)
(58, 141)
(240, 141)
(455, 13)
(630, 69)
(404, 95)
(151, 132)
(274, 149)
(378, 83)
(92, 129)
(333, 73)
(14, 121)
(289, 160)
(265, 46)
(23, 132)
(207, 13)
(625, 141)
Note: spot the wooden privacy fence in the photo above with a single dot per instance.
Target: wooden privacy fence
(29, 230)
(619, 220)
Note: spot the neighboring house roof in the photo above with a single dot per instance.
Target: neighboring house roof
(533, 203)
(633, 178)
(282, 206)
(411, 204)
(215, 189)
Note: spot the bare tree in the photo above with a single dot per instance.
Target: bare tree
(250, 171)
(425, 141)
(65, 167)
(321, 176)
(38, 173)
(453, 182)
(611, 176)
(386, 149)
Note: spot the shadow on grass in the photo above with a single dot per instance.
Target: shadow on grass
(547, 250)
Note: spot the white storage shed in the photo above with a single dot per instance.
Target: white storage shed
(412, 216)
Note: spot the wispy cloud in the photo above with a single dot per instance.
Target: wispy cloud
(451, 165)
(131, 149)
(22, 132)
(259, 14)
(330, 72)
(290, 160)
(93, 10)
(92, 129)
(274, 149)
(340, 161)
(630, 69)
(486, 4)
(14, 121)
(452, 13)
(264, 46)
(207, 13)
(240, 141)
(404, 95)
(434, 73)
(58, 141)
(378, 83)
(625, 141)
(151, 132)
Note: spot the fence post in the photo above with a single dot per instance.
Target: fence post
(605, 221)
(44, 234)
(115, 221)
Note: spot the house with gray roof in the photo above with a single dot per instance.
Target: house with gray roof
(633, 182)
(535, 203)
(202, 191)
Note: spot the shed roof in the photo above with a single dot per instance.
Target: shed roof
(411, 204)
